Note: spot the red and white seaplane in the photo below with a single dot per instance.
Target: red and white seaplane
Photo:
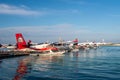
(43, 48)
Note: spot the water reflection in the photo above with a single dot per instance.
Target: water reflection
(49, 66)
(87, 53)
(102, 63)
(30, 64)
(0, 62)
(45, 63)
(23, 68)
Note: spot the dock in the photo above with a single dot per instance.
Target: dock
(10, 54)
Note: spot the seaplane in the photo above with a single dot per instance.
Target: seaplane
(88, 45)
(22, 45)
(73, 45)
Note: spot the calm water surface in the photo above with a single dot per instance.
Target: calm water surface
(100, 64)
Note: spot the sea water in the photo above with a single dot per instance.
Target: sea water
(102, 63)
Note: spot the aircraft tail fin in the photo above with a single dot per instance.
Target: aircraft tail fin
(21, 43)
(76, 40)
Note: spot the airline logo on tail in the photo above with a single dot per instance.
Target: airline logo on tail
(20, 39)
(21, 43)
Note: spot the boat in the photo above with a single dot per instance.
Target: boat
(48, 52)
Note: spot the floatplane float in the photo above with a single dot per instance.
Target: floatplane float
(49, 53)
(35, 49)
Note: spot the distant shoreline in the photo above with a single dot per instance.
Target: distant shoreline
(112, 44)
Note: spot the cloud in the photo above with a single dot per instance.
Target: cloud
(59, 29)
(53, 33)
(25, 10)
(42, 33)
(21, 10)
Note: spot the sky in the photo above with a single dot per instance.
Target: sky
(51, 20)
